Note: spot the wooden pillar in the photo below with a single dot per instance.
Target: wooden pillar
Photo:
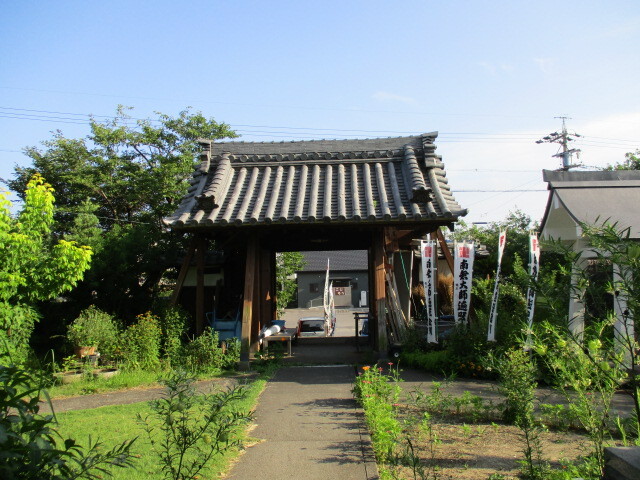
(273, 286)
(258, 304)
(201, 249)
(184, 269)
(266, 292)
(379, 294)
(248, 299)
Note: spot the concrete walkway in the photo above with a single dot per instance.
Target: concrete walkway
(308, 426)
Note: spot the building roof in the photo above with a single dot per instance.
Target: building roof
(591, 197)
(343, 181)
(343, 260)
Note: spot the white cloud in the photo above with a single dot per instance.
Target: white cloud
(544, 64)
(487, 67)
(392, 97)
(506, 68)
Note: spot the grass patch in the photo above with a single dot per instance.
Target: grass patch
(122, 381)
(114, 424)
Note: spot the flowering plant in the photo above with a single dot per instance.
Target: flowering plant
(378, 394)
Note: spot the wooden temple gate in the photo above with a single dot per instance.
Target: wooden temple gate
(252, 200)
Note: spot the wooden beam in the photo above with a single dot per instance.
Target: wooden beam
(247, 304)
(445, 249)
(184, 269)
(201, 249)
(390, 240)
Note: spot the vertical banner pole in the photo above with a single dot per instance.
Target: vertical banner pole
(325, 302)
(427, 249)
(464, 255)
(493, 314)
(534, 267)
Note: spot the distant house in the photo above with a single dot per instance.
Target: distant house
(348, 270)
(591, 198)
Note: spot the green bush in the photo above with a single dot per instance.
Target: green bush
(438, 361)
(140, 345)
(232, 355)
(203, 354)
(94, 328)
(173, 324)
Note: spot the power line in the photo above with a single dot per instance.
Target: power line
(251, 131)
(297, 107)
(502, 191)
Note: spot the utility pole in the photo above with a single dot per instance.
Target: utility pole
(563, 139)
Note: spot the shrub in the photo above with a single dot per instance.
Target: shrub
(435, 361)
(94, 328)
(187, 429)
(518, 384)
(140, 345)
(232, 354)
(173, 324)
(202, 354)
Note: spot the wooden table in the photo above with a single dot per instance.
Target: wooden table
(287, 335)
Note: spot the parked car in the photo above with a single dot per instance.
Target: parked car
(311, 327)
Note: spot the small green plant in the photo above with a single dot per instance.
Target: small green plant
(94, 328)
(32, 449)
(586, 379)
(518, 383)
(378, 394)
(416, 429)
(557, 416)
(269, 358)
(70, 363)
(173, 325)
(140, 345)
(231, 354)
(203, 354)
(192, 427)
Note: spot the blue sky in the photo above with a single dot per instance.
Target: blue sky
(489, 76)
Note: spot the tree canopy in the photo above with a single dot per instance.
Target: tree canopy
(114, 187)
(631, 162)
(33, 267)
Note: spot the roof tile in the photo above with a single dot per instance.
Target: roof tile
(373, 180)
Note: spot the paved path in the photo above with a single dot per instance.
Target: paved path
(309, 427)
(132, 395)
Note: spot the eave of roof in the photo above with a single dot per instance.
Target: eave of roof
(339, 181)
(596, 197)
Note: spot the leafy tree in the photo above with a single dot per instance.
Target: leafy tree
(287, 264)
(631, 162)
(115, 186)
(32, 266)
(517, 224)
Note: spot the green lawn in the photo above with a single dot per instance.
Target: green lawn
(114, 424)
(122, 381)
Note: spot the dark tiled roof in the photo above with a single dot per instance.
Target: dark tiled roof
(338, 260)
(349, 181)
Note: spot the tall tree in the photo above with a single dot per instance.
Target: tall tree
(33, 267)
(123, 178)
